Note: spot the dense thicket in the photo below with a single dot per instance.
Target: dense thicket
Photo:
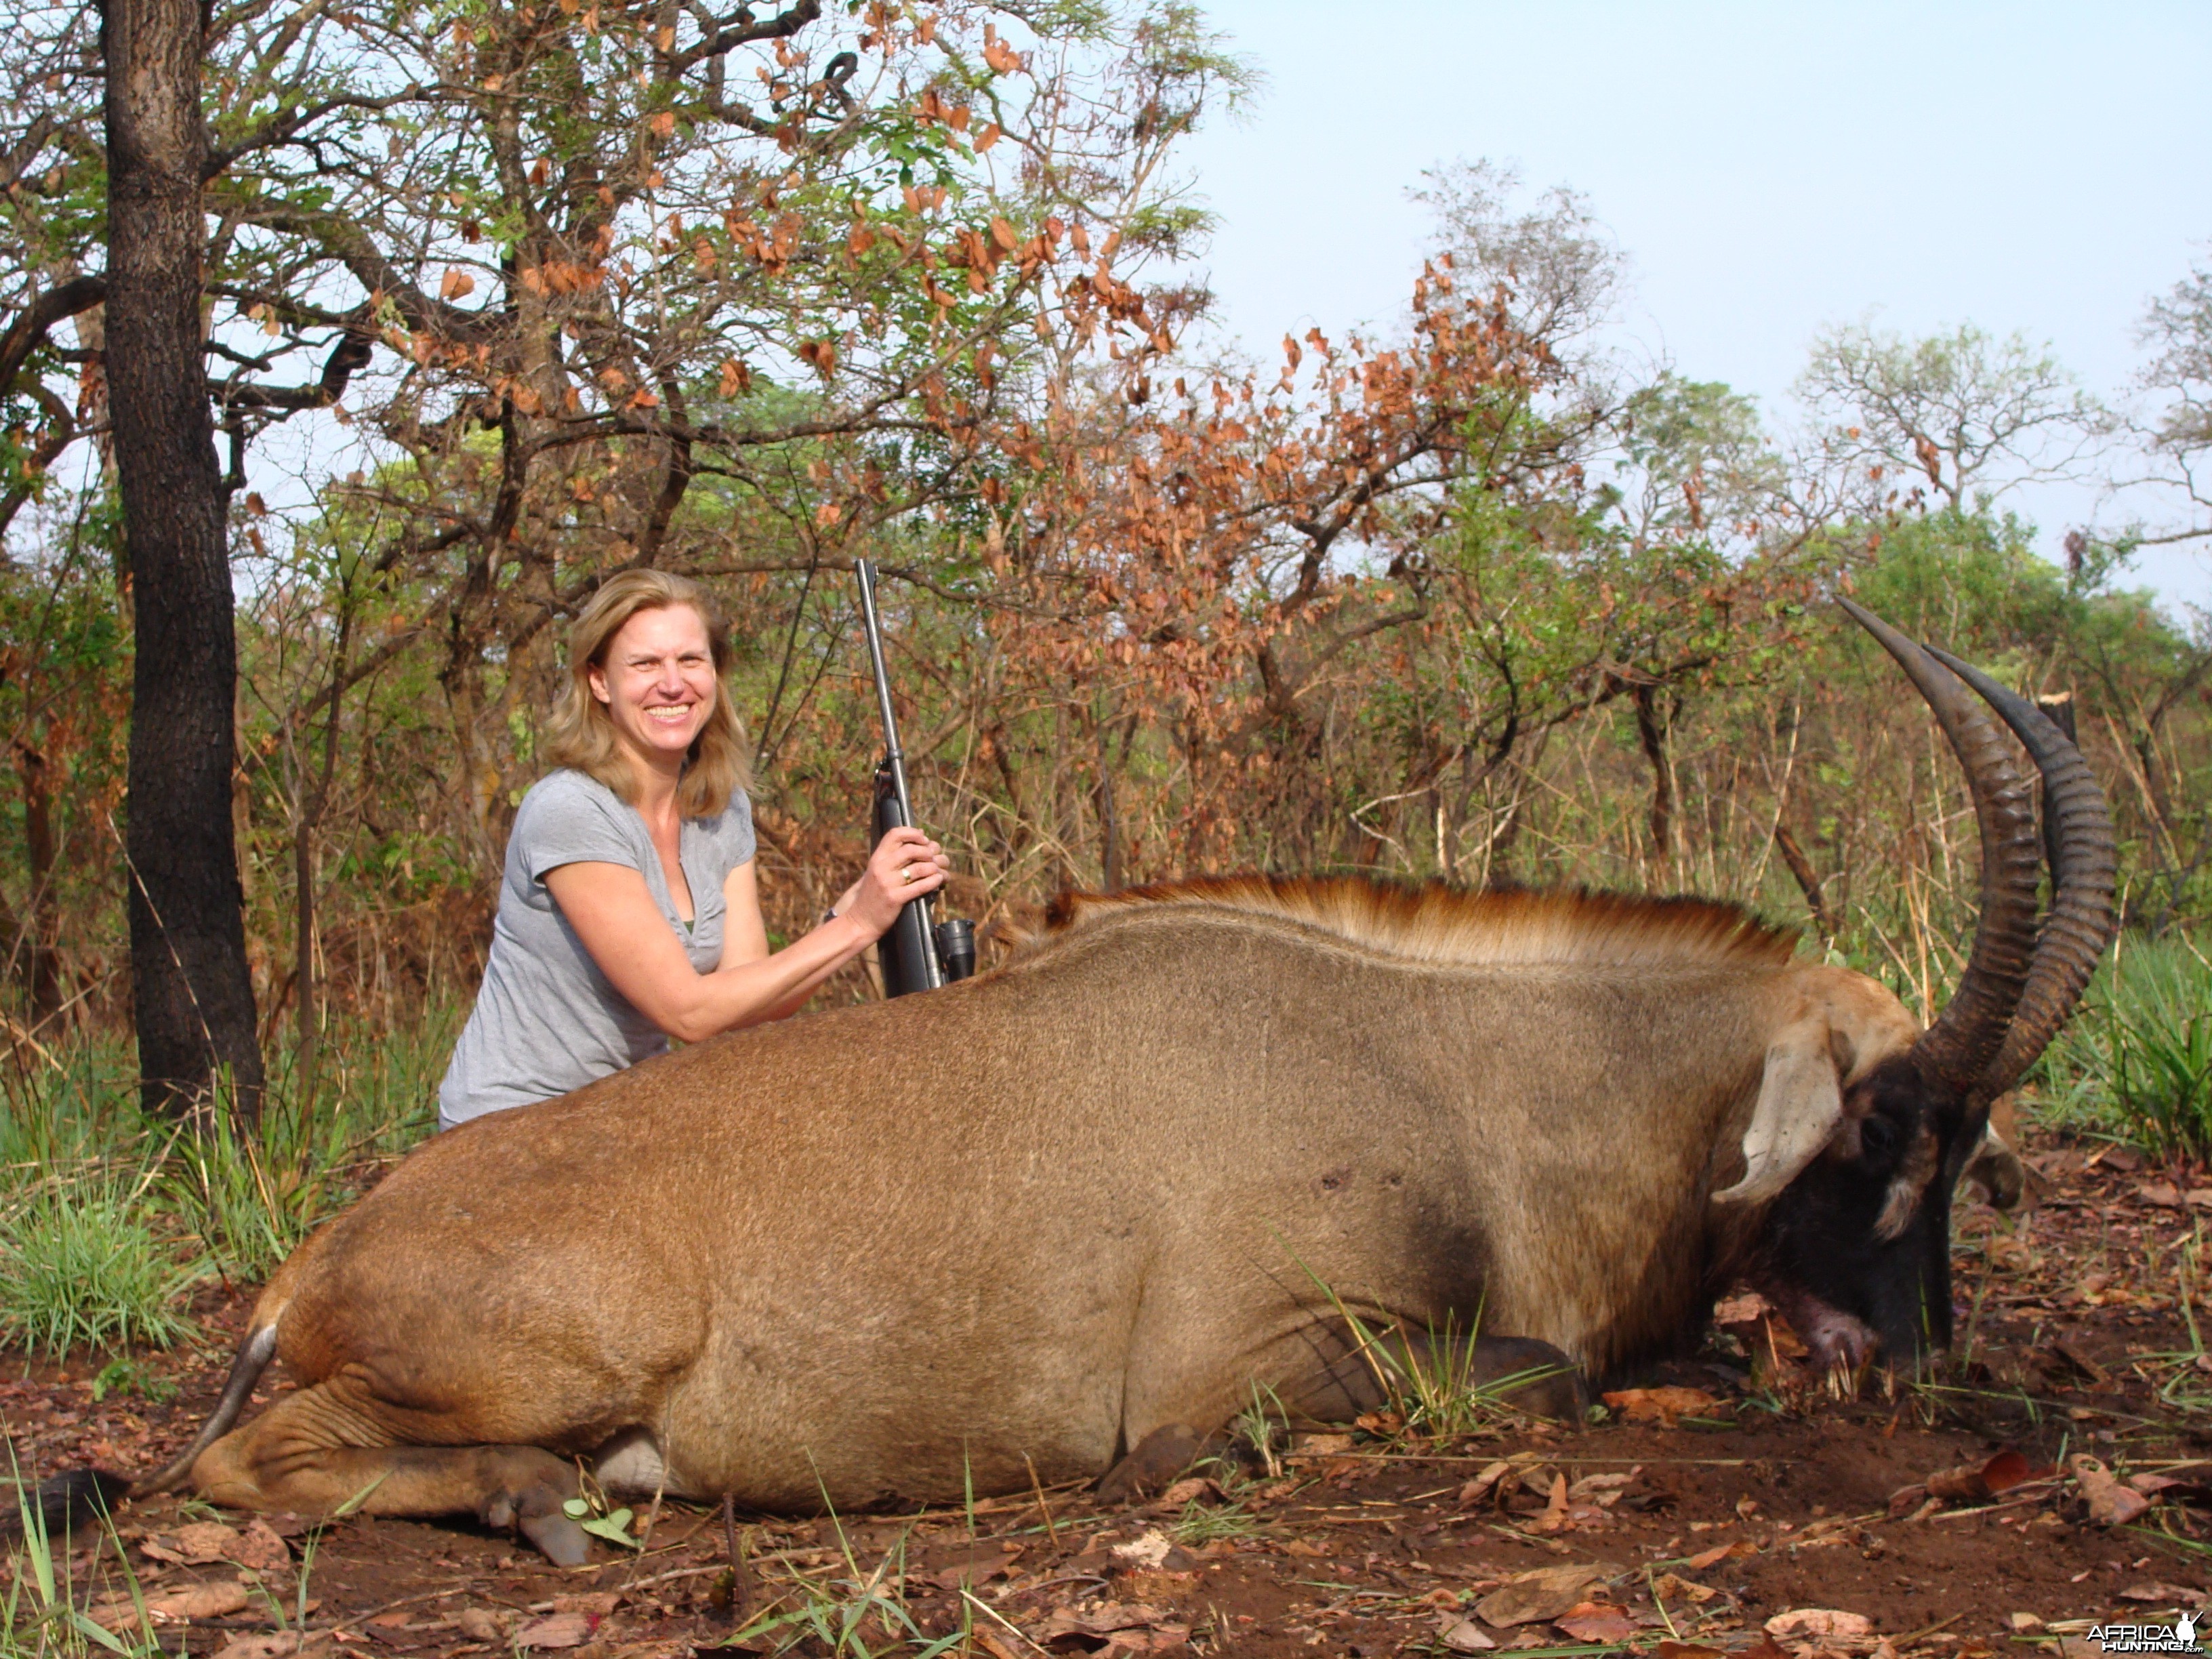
(571, 288)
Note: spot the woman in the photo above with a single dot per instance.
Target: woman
(629, 912)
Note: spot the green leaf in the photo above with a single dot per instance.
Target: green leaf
(104, 1638)
(615, 1529)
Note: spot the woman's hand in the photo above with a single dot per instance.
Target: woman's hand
(905, 865)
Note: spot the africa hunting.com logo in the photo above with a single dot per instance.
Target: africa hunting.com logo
(2180, 1636)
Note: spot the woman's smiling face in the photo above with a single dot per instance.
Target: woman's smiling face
(657, 680)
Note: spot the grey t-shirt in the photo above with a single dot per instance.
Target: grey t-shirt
(546, 1019)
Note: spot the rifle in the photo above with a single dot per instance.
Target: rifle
(916, 955)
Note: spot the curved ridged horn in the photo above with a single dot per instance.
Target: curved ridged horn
(2084, 872)
(1963, 1043)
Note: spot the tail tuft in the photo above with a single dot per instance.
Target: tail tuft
(64, 1503)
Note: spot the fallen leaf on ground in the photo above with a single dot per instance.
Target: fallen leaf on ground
(2159, 1195)
(1741, 1309)
(1817, 1625)
(558, 1630)
(272, 1644)
(1595, 1621)
(2111, 1504)
(260, 1549)
(1128, 1626)
(1604, 1489)
(1662, 1406)
(1100, 1619)
(1475, 1490)
(479, 1625)
(1977, 1483)
(1545, 1593)
(1666, 1585)
(216, 1601)
(1461, 1634)
(1553, 1516)
(2168, 1595)
(598, 1603)
(1320, 1445)
(1190, 1491)
(206, 1540)
(195, 1545)
(1160, 1638)
(1720, 1552)
(1687, 1650)
(1561, 1513)
(2079, 1362)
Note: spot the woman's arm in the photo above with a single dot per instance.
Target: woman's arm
(745, 934)
(615, 916)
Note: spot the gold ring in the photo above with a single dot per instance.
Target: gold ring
(906, 872)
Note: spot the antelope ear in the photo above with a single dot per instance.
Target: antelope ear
(1801, 1105)
(1995, 1171)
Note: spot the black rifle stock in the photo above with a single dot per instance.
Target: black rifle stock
(914, 955)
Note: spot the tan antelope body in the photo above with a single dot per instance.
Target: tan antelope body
(1025, 1222)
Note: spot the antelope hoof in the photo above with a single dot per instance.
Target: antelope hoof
(1152, 1463)
(562, 1541)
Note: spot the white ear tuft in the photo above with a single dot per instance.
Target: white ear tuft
(1801, 1105)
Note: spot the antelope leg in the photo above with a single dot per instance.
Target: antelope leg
(303, 1454)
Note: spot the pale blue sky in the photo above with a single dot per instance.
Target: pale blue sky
(1768, 168)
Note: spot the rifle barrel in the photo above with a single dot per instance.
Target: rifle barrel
(913, 939)
(893, 754)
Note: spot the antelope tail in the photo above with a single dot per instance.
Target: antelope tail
(252, 1359)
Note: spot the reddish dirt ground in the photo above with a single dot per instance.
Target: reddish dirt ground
(1758, 1513)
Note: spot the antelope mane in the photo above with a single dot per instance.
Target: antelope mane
(1433, 922)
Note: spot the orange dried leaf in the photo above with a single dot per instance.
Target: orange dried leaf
(1662, 1406)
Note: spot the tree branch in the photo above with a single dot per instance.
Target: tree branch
(741, 28)
(285, 125)
(72, 298)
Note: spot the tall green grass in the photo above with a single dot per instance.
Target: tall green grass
(2136, 1064)
(107, 1218)
(79, 1268)
(251, 1196)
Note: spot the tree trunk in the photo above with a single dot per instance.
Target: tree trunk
(44, 928)
(1651, 723)
(1109, 830)
(311, 807)
(1808, 882)
(191, 992)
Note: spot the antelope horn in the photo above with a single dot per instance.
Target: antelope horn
(1960, 1047)
(2084, 869)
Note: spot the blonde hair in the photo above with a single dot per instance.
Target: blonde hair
(580, 735)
